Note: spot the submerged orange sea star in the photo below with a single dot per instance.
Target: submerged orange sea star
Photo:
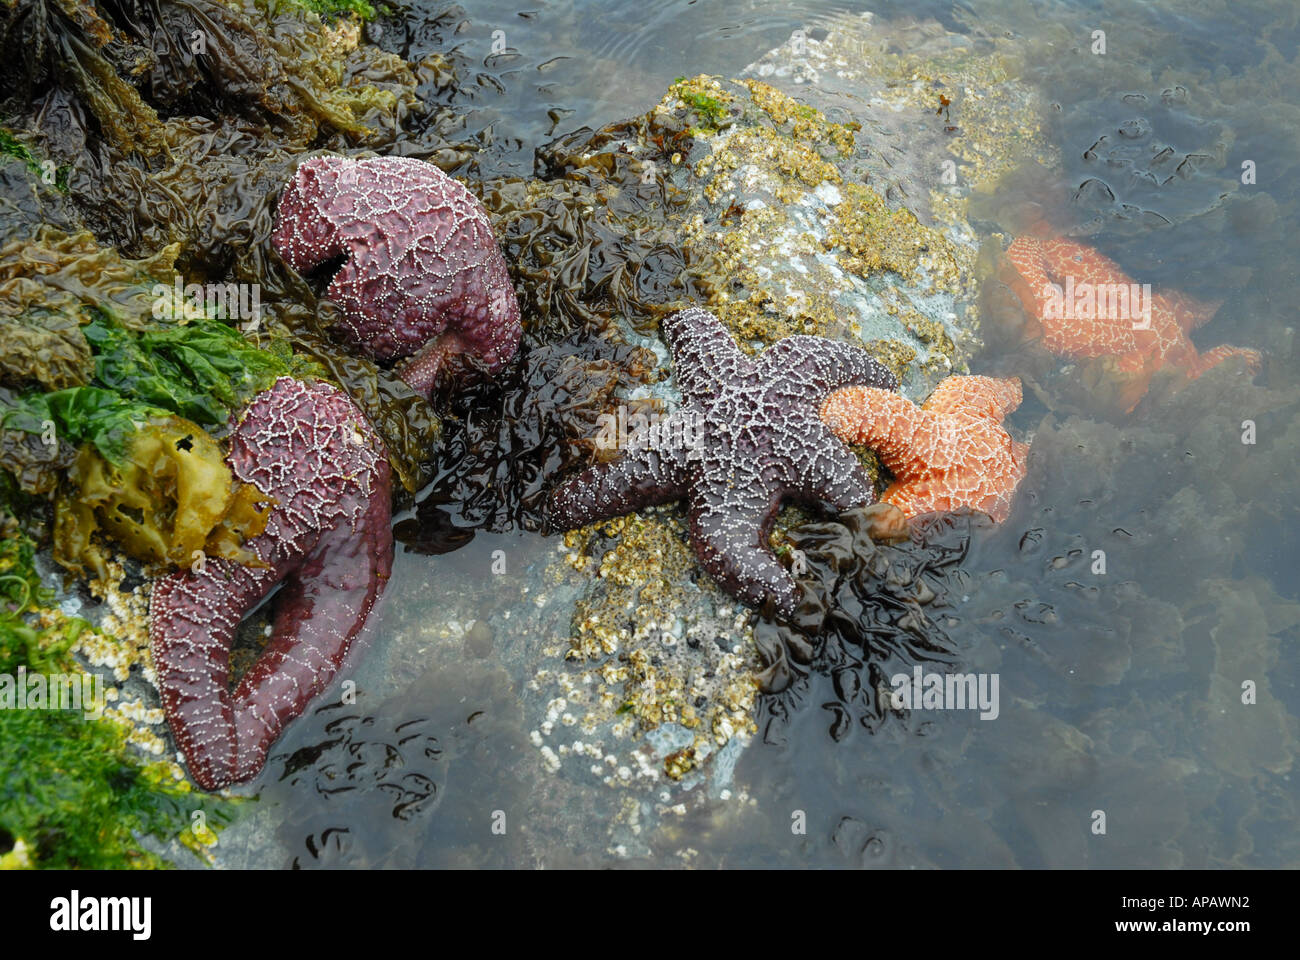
(1088, 307)
(950, 452)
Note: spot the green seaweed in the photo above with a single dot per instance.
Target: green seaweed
(80, 415)
(72, 795)
(201, 371)
(711, 110)
(13, 147)
(339, 8)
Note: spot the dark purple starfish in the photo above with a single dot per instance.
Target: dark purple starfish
(748, 435)
(328, 538)
(423, 277)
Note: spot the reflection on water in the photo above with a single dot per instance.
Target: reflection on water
(1142, 589)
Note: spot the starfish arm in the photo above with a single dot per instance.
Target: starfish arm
(193, 618)
(890, 425)
(814, 367)
(1188, 312)
(1212, 358)
(704, 355)
(641, 477)
(304, 237)
(343, 290)
(420, 370)
(732, 547)
(1032, 282)
(987, 397)
(321, 610)
(972, 464)
(835, 478)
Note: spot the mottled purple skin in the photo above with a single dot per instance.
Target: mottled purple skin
(423, 281)
(328, 539)
(762, 442)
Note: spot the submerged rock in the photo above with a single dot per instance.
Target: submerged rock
(794, 214)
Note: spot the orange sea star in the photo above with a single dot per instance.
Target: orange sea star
(1088, 307)
(951, 451)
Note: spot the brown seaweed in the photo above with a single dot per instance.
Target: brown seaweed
(191, 158)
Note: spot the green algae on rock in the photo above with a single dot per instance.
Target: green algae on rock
(359, 9)
(74, 793)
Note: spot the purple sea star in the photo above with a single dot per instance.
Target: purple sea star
(423, 278)
(328, 538)
(748, 435)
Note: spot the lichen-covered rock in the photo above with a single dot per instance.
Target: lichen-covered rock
(827, 188)
(797, 243)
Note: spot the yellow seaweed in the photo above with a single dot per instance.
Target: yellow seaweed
(173, 501)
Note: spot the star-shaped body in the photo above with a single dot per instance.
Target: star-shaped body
(950, 452)
(329, 541)
(1108, 316)
(422, 277)
(746, 437)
